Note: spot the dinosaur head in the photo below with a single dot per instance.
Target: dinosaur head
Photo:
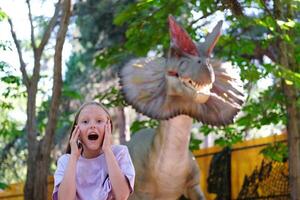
(189, 72)
(186, 82)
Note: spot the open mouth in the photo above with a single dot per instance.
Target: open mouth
(197, 87)
(93, 137)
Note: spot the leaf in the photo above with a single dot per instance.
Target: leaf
(11, 79)
(138, 125)
(125, 15)
(286, 25)
(194, 143)
(3, 15)
(72, 93)
(3, 186)
(292, 78)
(111, 98)
(277, 151)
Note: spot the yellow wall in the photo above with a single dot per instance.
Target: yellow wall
(245, 157)
(15, 191)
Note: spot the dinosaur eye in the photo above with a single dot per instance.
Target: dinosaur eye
(199, 61)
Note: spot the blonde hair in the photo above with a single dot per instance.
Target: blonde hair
(77, 115)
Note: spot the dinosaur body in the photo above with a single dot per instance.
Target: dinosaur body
(158, 177)
(174, 90)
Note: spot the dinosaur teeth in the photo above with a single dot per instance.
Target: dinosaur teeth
(197, 86)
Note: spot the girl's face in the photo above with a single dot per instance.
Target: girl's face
(91, 122)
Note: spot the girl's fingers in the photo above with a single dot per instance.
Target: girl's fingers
(74, 131)
(75, 134)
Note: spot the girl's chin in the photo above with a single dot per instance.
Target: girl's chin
(93, 146)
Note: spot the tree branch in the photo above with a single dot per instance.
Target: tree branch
(202, 17)
(234, 6)
(25, 78)
(267, 9)
(50, 27)
(31, 27)
(40, 48)
(57, 76)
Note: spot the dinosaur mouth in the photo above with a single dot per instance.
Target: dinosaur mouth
(93, 137)
(196, 86)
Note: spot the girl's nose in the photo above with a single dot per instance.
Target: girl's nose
(93, 125)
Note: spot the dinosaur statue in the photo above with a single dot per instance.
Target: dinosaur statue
(174, 90)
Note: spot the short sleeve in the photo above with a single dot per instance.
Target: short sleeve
(126, 166)
(59, 174)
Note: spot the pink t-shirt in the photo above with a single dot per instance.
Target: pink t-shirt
(92, 180)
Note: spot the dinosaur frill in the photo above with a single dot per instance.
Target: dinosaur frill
(186, 82)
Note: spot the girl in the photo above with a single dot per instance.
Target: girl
(93, 168)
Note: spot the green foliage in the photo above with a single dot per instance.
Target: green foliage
(5, 105)
(3, 186)
(101, 40)
(9, 129)
(138, 125)
(110, 56)
(229, 135)
(277, 151)
(4, 46)
(11, 79)
(11, 144)
(3, 15)
(228, 139)
(147, 24)
(111, 98)
(11, 84)
(70, 93)
(12, 87)
(13, 159)
(258, 114)
(194, 143)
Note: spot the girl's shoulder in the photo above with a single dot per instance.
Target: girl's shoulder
(119, 149)
(63, 158)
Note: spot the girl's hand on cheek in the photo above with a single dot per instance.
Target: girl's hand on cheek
(107, 137)
(75, 148)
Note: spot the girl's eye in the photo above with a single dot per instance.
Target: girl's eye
(99, 121)
(85, 121)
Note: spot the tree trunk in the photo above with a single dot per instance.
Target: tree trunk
(293, 120)
(293, 141)
(283, 11)
(39, 151)
(121, 124)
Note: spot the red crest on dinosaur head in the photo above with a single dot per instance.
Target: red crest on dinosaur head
(180, 40)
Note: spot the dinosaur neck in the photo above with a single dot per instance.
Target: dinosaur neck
(172, 139)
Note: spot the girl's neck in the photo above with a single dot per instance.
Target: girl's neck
(88, 154)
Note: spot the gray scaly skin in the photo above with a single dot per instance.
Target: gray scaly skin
(174, 90)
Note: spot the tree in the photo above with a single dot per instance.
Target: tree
(39, 150)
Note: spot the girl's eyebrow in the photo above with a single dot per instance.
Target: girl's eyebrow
(84, 118)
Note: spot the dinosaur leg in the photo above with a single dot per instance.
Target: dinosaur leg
(193, 191)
